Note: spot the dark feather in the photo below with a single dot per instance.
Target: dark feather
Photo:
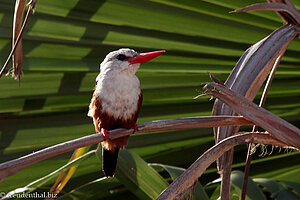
(109, 161)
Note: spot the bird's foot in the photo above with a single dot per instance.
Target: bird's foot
(136, 128)
(104, 132)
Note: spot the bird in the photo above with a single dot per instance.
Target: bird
(117, 100)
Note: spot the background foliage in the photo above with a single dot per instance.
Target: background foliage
(64, 43)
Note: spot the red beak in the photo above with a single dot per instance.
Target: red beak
(144, 57)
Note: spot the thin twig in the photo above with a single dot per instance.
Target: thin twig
(187, 178)
(247, 171)
(29, 12)
(11, 167)
(212, 77)
(61, 175)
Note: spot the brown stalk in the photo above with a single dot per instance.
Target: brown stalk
(17, 73)
(11, 167)
(250, 146)
(52, 189)
(246, 79)
(287, 11)
(18, 55)
(284, 16)
(277, 127)
(293, 15)
(186, 179)
(247, 171)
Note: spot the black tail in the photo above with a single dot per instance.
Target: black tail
(109, 161)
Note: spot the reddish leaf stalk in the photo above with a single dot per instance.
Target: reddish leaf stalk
(250, 146)
(276, 126)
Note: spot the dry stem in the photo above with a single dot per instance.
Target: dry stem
(29, 12)
(11, 167)
(185, 181)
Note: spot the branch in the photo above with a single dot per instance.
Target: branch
(255, 128)
(277, 127)
(284, 8)
(246, 79)
(186, 180)
(11, 167)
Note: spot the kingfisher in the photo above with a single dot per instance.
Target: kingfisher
(117, 100)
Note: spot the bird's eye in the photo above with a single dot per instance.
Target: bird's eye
(122, 57)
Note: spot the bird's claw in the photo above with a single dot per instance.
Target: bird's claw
(136, 128)
(104, 132)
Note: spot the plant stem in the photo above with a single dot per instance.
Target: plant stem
(255, 128)
(29, 12)
(187, 178)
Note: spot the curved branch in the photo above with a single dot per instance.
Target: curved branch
(11, 167)
(186, 180)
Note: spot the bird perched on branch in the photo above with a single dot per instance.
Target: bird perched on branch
(117, 100)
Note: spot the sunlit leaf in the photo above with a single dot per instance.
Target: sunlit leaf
(138, 176)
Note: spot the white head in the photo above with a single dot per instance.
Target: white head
(117, 62)
(125, 61)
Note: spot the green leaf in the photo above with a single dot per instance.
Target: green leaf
(253, 191)
(98, 189)
(271, 185)
(293, 185)
(277, 190)
(174, 172)
(286, 194)
(138, 176)
(99, 154)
